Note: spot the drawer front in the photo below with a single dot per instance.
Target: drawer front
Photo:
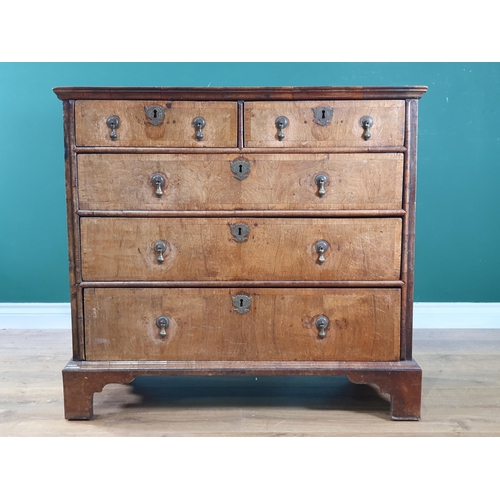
(173, 125)
(205, 324)
(267, 249)
(307, 128)
(249, 182)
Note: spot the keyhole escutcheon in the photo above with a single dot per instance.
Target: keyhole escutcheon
(240, 169)
(240, 232)
(322, 115)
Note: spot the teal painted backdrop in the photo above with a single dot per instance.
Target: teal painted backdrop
(458, 207)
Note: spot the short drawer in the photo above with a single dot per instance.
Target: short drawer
(313, 124)
(248, 182)
(209, 324)
(156, 124)
(219, 249)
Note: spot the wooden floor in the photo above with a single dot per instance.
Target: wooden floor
(461, 396)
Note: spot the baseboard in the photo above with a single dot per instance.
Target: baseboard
(38, 316)
(456, 315)
(35, 316)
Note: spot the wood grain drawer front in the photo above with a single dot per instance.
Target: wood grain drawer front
(213, 182)
(204, 325)
(344, 129)
(137, 129)
(116, 249)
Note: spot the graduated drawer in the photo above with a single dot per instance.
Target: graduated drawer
(307, 129)
(229, 182)
(219, 249)
(275, 324)
(176, 129)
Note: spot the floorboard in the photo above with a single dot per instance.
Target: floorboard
(461, 396)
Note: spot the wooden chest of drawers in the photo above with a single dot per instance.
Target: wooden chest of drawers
(237, 231)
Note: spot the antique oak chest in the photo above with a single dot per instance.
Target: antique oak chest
(241, 231)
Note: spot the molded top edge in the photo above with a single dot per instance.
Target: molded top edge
(235, 93)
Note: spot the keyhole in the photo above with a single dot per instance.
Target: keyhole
(239, 231)
(323, 114)
(241, 302)
(155, 113)
(241, 169)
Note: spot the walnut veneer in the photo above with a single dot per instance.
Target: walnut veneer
(241, 231)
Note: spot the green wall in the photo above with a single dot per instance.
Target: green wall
(458, 208)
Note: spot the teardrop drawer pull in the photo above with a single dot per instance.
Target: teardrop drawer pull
(113, 122)
(162, 323)
(366, 123)
(161, 248)
(281, 123)
(158, 182)
(199, 123)
(322, 324)
(321, 248)
(321, 180)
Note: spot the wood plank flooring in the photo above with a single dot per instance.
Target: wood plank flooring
(461, 396)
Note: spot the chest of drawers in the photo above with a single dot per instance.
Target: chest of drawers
(241, 231)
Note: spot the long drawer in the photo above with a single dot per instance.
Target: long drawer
(250, 182)
(219, 249)
(242, 324)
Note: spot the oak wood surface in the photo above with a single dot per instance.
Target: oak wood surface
(204, 324)
(207, 182)
(115, 249)
(242, 213)
(460, 396)
(74, 256)
(177, 129)
(242, 283)
(345, 128)
(409, 197)
(366, 148)
(401, 381)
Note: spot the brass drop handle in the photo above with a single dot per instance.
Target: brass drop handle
(281, 123)
(321, 180)
(113, 122)
(366, 123)
(321, 248)
(322, 324)
(162, 323)
(158, 181)
(199, 123)
(161, 248)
